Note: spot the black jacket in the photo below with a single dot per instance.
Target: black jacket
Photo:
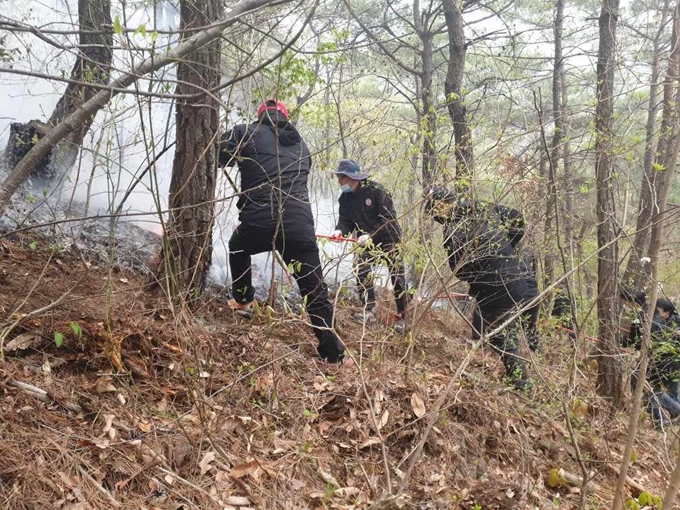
(274, 163)
(369, 210)
(658, 331)
(480, 240)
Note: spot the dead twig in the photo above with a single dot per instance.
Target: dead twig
(99, 487)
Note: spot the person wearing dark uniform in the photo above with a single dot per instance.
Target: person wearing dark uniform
(664, 356)
(481, 253)
(366, 209)
(275, 214)
(511, 222)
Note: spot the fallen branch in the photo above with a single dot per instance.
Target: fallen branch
(191, 485)
(577, 481)
(99, 487)
(44, 396)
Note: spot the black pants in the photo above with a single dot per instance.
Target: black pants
(299, 250)
(494, 306)
(365, 261)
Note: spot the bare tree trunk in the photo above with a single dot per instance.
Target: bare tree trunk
(556, 144)
(609, 380)
(429, 124)
(71, 123)
(673, 485)
(188, 242)
(634, 275)
(453, 87)
(568, 180)
(93, 65)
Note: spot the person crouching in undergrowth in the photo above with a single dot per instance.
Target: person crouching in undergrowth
(481, 253)
(664, 354)
(367, 210)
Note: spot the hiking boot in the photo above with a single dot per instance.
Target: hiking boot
(242, 309)
(367, 317)
(399, 325)
(523, 384)
(534, 343)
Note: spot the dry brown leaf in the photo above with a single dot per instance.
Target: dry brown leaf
(417, 405)
(237, 501)
(205, 462)
(378, 398)
(328, 478)
(296, 485)
(251, 469)
(347, 491)
(383, 419)
(369, 442)
(70, 481)
(77, 506)
(104, 385)
(108, 422)
(232, 423)
(23, 341)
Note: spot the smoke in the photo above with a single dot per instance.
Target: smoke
(125, 138)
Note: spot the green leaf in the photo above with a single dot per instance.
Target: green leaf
(154, 36)
(117, 27)
(658, 167)
(142, 29)
(190, 370)
(645, 499)
(631, 504)
(33, 245)
(58, 339)
(76, 329)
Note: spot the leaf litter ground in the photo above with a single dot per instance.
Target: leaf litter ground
(139, 408)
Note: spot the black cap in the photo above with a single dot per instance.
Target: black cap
(435, 193)
(666, 305)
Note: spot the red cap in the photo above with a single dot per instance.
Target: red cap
(272, 105)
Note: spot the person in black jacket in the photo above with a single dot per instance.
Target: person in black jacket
(479, 242)
(664, 355)
(275, 214)
(367, 210)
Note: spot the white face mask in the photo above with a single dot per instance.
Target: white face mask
(346, 188)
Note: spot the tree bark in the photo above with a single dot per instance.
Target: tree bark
(429, 115)
(556, 143)
(673, 485)
(93, 65)
(23, 169)
(609, 380)
(634, 275)
(455, 100)
(188, 237)
(568, 179)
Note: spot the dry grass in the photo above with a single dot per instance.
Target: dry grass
(193, 412)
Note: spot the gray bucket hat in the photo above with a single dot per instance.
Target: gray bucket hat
(351, 169)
